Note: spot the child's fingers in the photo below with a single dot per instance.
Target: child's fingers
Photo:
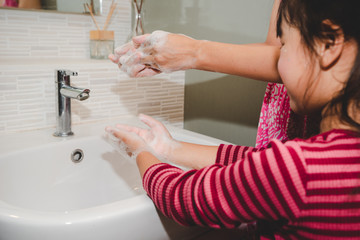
(121, 134)
(153, 123)
(109, 130)
(115, 133)
(131, 139)
(128, 128)
(144, 134)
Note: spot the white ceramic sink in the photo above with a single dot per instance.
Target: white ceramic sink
(45, 195)
(46, 179)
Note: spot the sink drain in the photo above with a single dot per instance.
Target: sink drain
(77, 155)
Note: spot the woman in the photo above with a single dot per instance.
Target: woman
(160, 52)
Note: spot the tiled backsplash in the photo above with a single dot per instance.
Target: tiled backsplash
(34, 44)
(29, 34)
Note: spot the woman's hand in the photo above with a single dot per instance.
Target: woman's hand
(154, 53)
(128, 59)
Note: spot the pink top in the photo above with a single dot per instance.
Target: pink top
(307, 189)
(279, 122)
(11, 3)
(274, 116)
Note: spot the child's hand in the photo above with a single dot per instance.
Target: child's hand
(156, 139)
(126, 141)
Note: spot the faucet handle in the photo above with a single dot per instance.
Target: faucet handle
(63, 75)
(68, 72)
(71, 73)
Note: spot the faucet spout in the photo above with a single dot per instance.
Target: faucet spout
(64, 93)
(80, 94)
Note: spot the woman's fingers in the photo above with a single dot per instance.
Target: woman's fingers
(147, 59)
(136, 58)
(139, 40)
(147, 72)
(134, 70)
(124, 49)
(113, 58)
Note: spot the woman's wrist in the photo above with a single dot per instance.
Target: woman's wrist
(189, 52)
(199, 54)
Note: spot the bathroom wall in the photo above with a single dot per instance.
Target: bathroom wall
(35, 43)
(219, 105)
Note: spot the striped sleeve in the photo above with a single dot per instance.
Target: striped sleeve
(226, 155)
(262, 185)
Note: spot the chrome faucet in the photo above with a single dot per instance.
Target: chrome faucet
(63, 94)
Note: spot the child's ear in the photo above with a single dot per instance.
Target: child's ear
(331, 47)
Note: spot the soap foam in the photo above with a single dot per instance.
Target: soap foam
(131, 56)
(119, 146)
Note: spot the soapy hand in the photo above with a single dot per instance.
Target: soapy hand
(151, 54)
(156, 140)
(128, 58)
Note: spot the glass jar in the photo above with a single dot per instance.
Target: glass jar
(137, 21)
(101, 44)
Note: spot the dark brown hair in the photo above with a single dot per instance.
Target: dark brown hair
(308, 17)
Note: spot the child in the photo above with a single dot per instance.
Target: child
(299, 189)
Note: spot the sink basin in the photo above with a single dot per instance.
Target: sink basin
(46, 179)
(44, 194)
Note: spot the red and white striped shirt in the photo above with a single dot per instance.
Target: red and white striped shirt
(311, 188)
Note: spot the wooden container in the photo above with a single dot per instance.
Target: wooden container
(101, 35)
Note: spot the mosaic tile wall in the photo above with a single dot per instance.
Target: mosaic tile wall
(34, 44)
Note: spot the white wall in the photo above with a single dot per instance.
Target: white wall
(219, 105)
